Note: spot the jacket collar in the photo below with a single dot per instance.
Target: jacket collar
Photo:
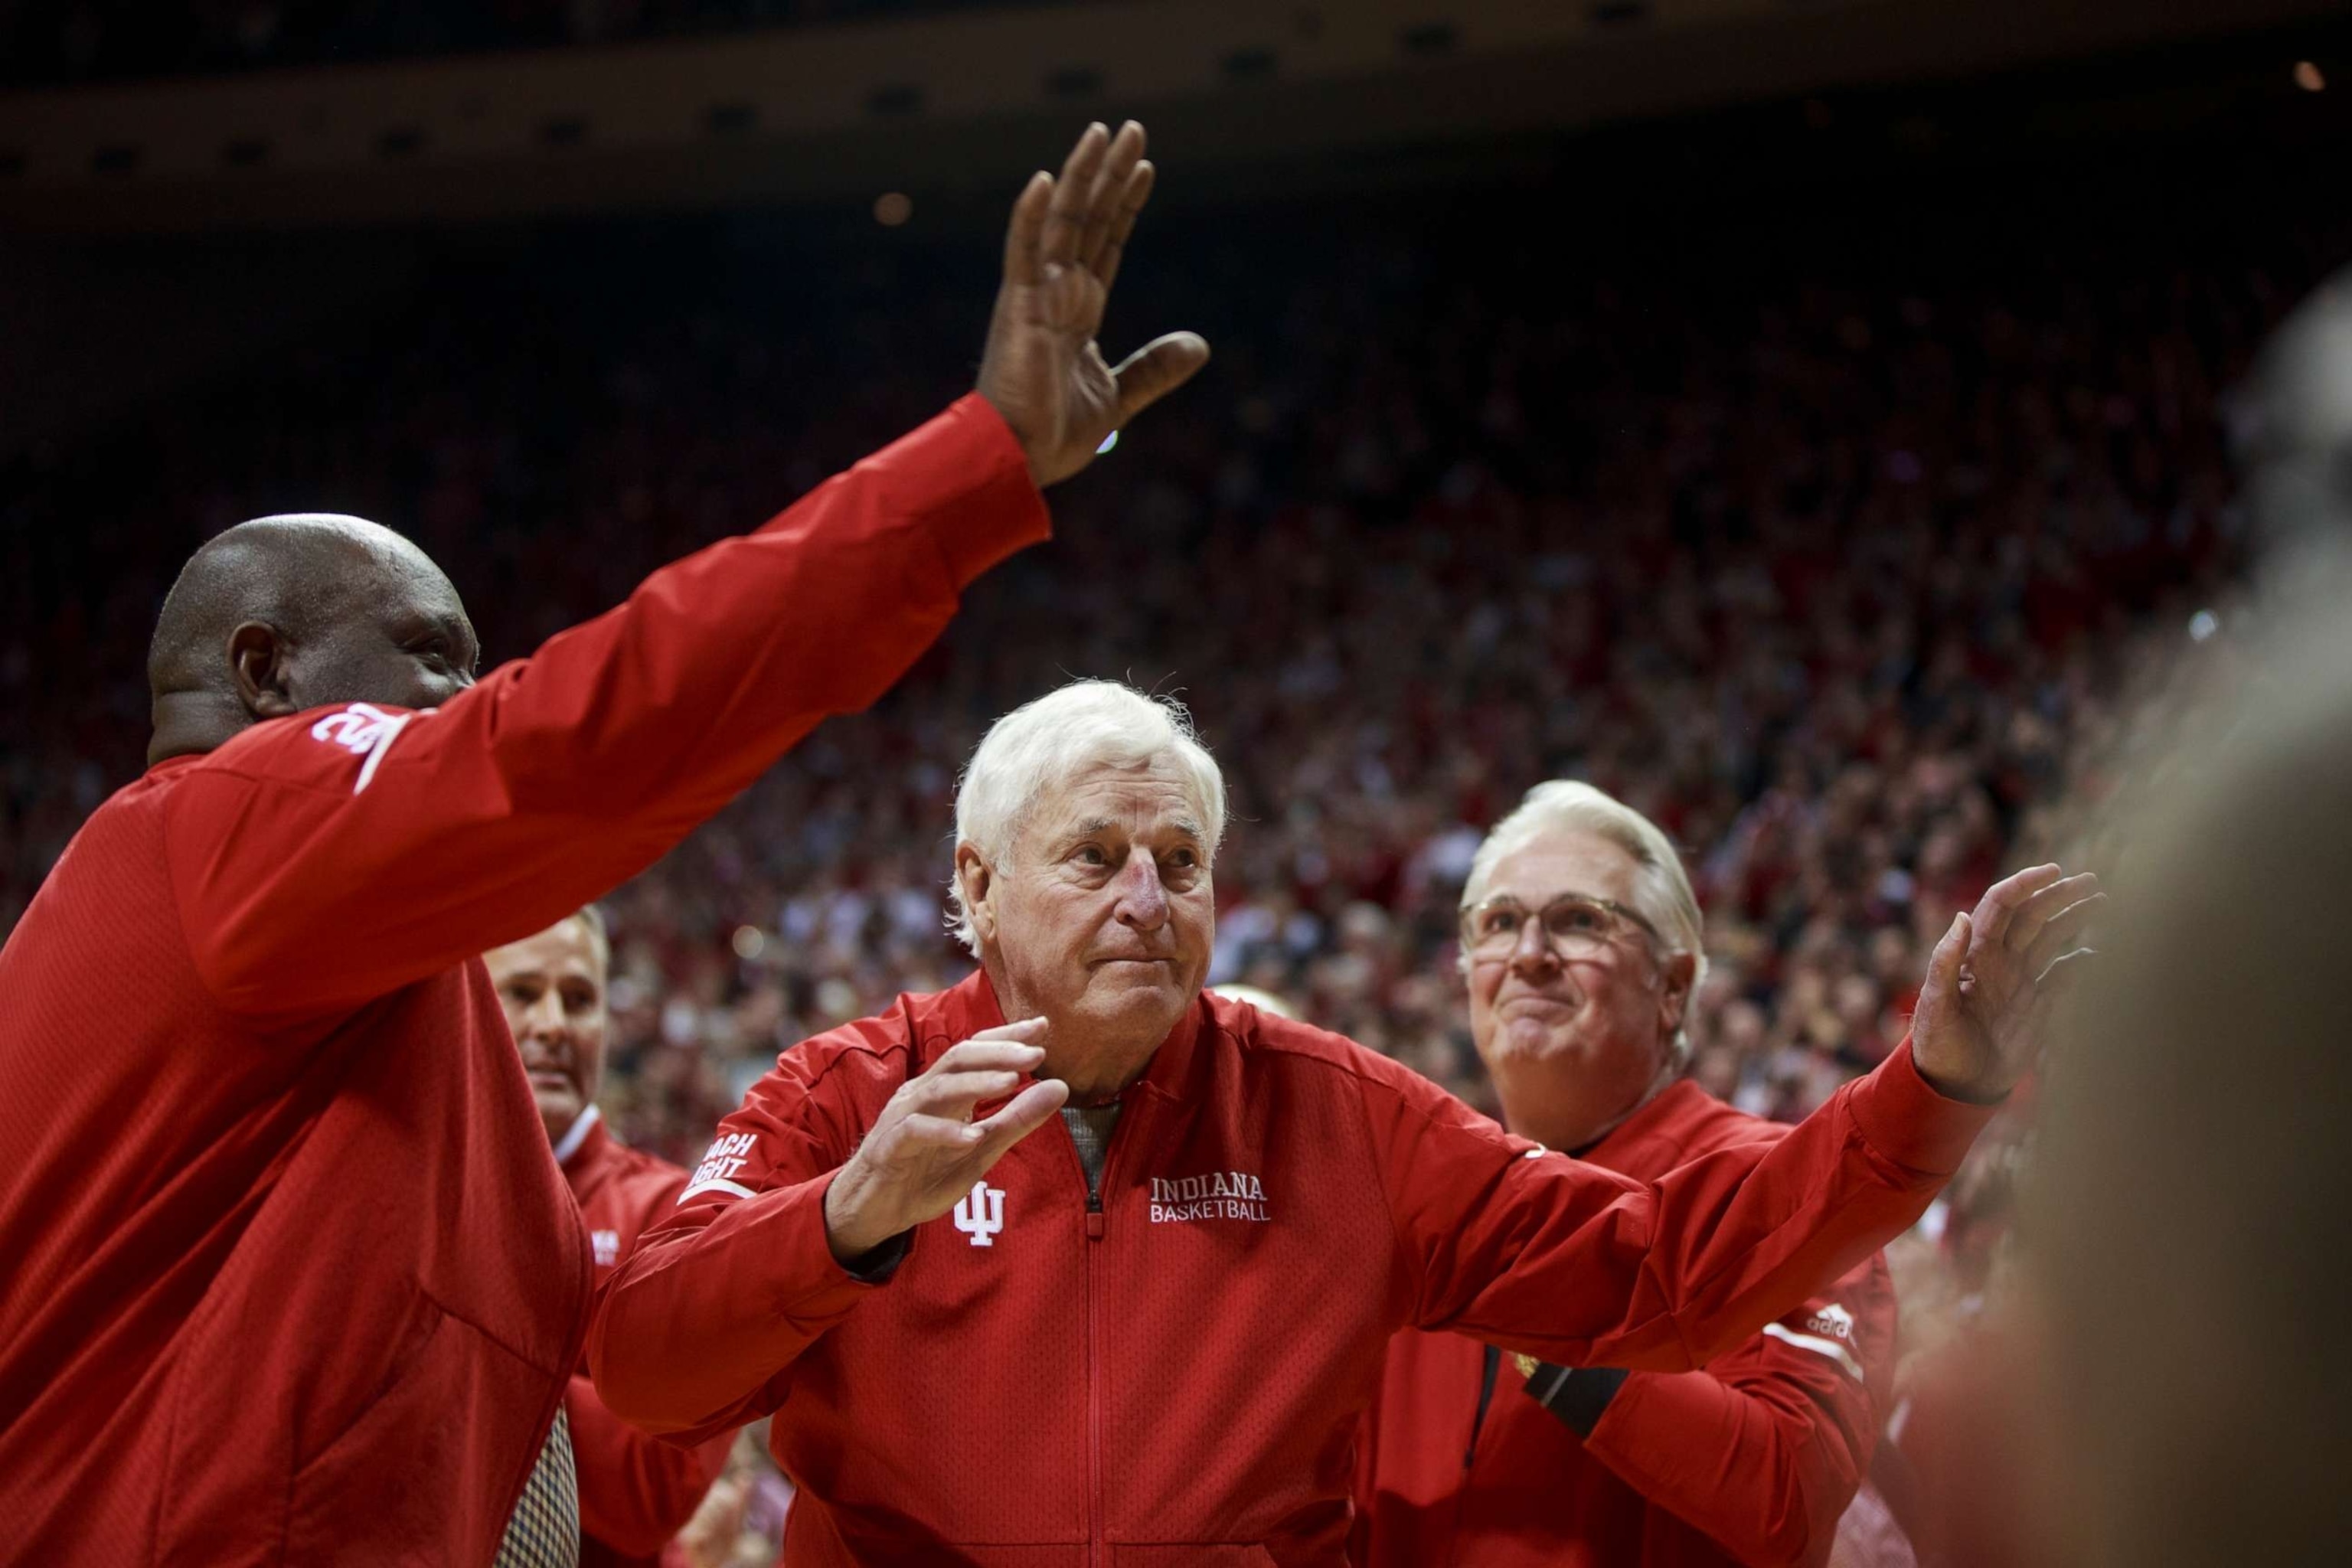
(1665, 1118)
(582, 1140)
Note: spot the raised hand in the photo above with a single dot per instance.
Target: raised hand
(924, 1152)
(1042, 369)
(1992, 978)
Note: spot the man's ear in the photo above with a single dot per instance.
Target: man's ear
(258, 657)
(1674, 989)
(979, 884)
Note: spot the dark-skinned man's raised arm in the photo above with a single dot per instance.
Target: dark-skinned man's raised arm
(291, 1277)
(469, 830)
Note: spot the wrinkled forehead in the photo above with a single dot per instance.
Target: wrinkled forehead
(1564, 860)
(1154, 798)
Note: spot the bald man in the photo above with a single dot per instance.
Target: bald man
(290, 1275)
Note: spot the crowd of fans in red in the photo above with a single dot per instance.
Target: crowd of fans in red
(1841, 586)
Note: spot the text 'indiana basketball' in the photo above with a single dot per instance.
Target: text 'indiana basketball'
(1219, 1195)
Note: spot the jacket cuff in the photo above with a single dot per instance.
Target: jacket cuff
(964, 479)
(1901, 1116)
(823, 1287)
(1578, 1396)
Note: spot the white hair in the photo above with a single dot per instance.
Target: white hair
(1662, 889)
(1043, 745)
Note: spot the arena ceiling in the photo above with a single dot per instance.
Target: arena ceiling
(1301, 92)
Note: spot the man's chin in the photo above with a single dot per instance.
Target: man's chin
(1527, 1039)
(558, 1110)
(1136, 996)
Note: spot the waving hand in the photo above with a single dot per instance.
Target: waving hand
(1042, 369)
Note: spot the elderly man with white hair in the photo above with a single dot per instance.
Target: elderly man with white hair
(1582, 946)
(1147, 1336)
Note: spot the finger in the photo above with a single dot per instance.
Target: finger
(2065, 970)
(992, 1060)
(981, 1056)
(1157, 369)
(1030, 1109)
(1944, 964)
(1104, 198)
(2038, 911)
(955, 1093)
(1024, 237)
(2063, 931)
(921, 1132)
(1066, 215)
(1032, 1030)
(2000, 900)
(1131, 207)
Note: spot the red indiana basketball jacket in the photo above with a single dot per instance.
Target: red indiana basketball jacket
(1176, 1376)
(290, 1276)
(1750, 1461)
(636, 1490)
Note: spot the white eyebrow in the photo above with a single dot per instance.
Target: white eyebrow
(1094, 825)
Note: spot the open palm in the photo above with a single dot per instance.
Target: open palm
(1992, 978)
(1042, 369)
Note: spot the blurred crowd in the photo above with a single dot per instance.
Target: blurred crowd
(1847, 588)
(61, 42)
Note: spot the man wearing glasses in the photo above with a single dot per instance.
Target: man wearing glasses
(1582, 946)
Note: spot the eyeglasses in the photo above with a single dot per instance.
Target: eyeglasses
(1575, 925)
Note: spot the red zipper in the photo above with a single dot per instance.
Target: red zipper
(1097, 1531)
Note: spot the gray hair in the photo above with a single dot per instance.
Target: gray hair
(1043, 745)
(600, 936)
(1662, 889)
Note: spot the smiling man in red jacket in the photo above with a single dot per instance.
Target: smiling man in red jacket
(636, 1490)
(290, 1277)
(1148, 1335)
(1581, 943)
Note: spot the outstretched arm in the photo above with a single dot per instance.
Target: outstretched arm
(797, 1213)
(323, 860)
(1542, 1254)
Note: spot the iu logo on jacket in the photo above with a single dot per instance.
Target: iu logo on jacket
(979, 1213)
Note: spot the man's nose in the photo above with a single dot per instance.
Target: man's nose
(1142, 900)
(543, 1019)
(1533, 953)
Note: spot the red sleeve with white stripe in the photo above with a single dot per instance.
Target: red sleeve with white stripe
(326, 859)
(1764, 1449)
(698, 1329)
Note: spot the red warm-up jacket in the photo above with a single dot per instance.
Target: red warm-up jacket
(636, 1490)
(1175, 1376)
(287, 1275)
(1750, 1461)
